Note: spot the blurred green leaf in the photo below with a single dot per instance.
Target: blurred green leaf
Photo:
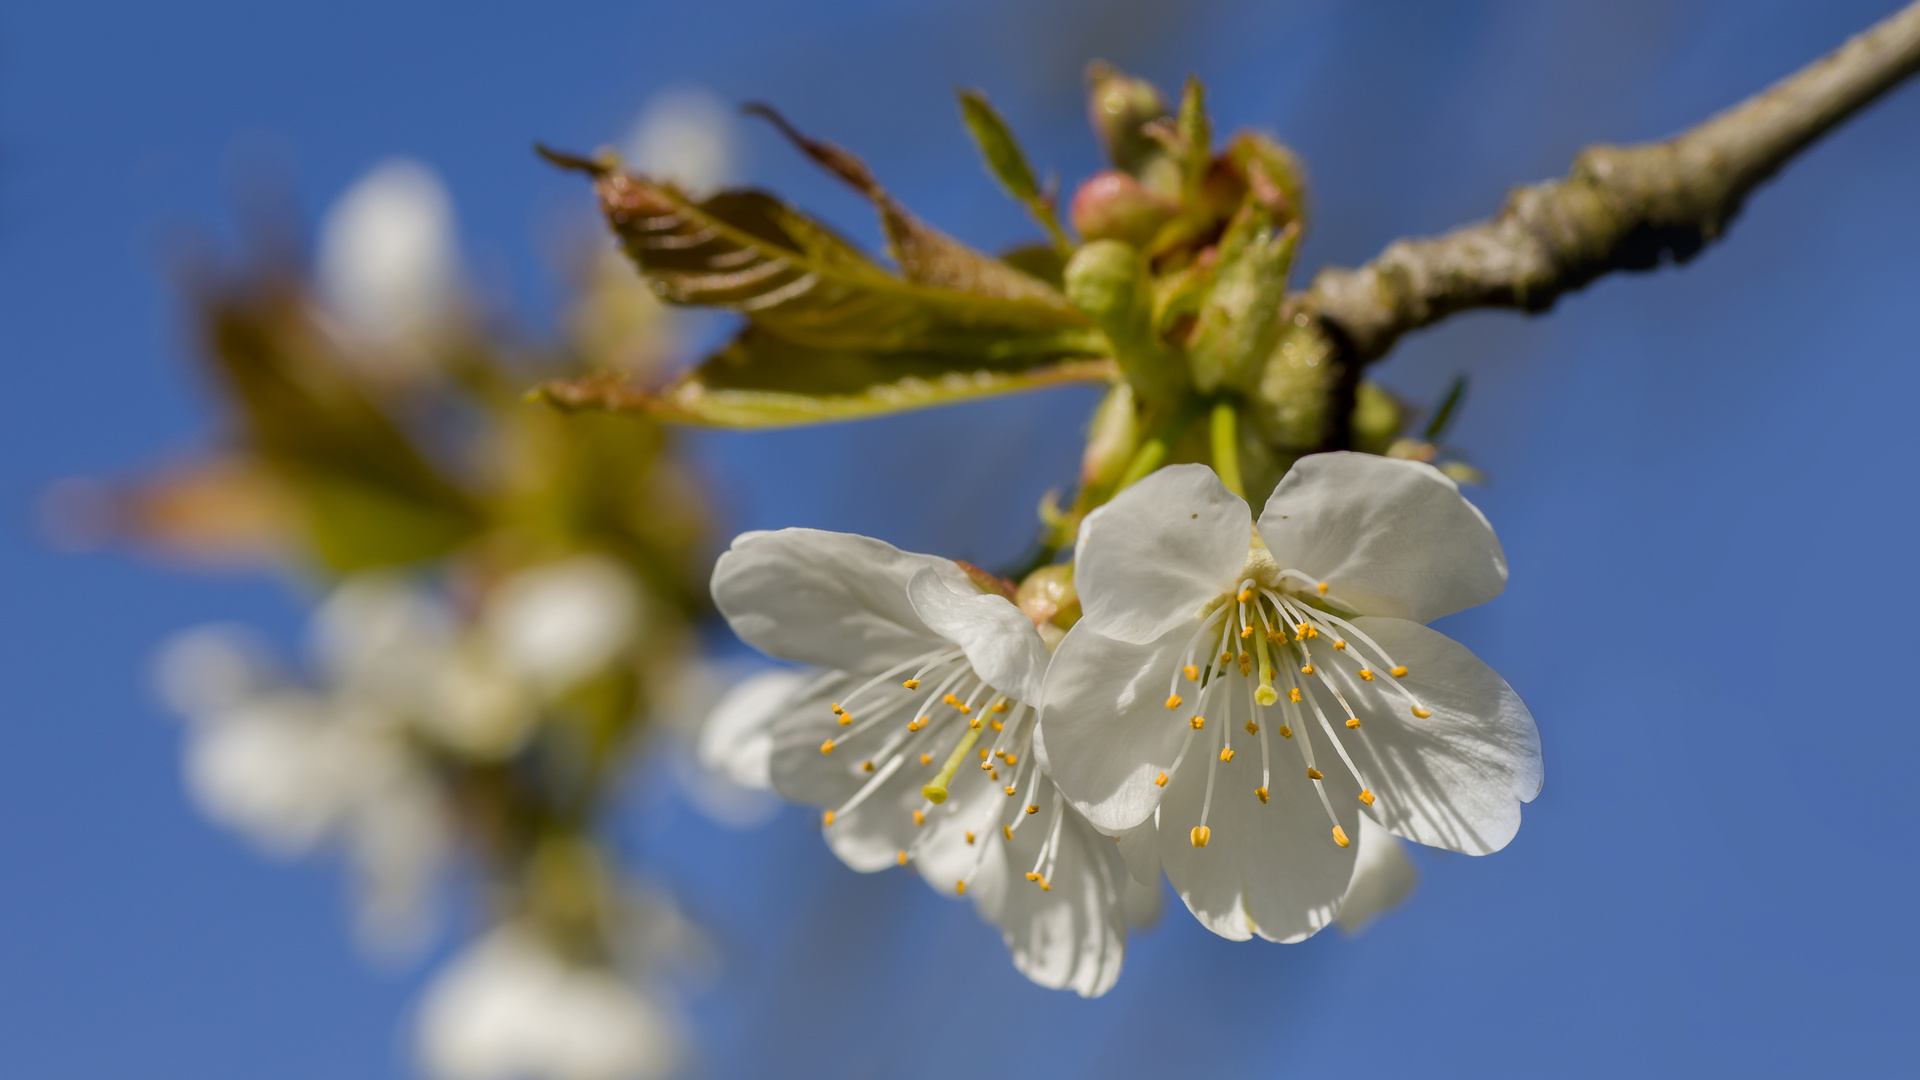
(368, 497)
(1449, 409)
(997, 144)
(760, 380)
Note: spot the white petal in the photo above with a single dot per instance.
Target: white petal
(1140, 848)
(1147, 561)
(1105, 725)
(999, 641)
(1455, 779)
(1073, 935)
(1272, 868)
(562, 621)
(737, 740)
(1383, 877)
(1390, 537)
(834, 600)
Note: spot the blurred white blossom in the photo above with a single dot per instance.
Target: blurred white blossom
(686, 136)
(560, 622)
(389, 262)
(510, 1009)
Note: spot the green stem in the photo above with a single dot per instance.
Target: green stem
(1226, 447)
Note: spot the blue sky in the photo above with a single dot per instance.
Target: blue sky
(1701, 478)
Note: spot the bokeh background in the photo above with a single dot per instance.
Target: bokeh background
(1702, 479)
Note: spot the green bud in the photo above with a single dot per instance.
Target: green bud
(1117, 105)
(1377, 418)
(1047, 596)
(1111, 205)
(1112, 439)
(1107, 280)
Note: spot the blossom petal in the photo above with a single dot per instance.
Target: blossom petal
(1383, 877)
(737, 739)
(1454, 779)
(1074, 934)
(999, 641)
(834, 600)
(1390, 537)
(1140, 847)
(1105, 729)
(1273, 868)
(1147, 561)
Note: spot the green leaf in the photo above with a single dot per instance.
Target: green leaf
(788, 274)
(998, 146)
(369, 498)
(1196, 134)
(760, 381)
(926, 255)
(1449, 410)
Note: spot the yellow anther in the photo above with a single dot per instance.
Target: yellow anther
(1367, 797)
(1300, 628)
(1340, 836)
(911, 684)
(966, 710)
(974, 723)
(983, 753)
(1173, 702)
(1031, 876)
(960, 888)
(1006, 831)
(1253, 728)
(1161, 780)
(926, 759)
(986, 766)
(1009, 789)
(1246, 632)
(826, 818)
(1198, 722)
(846, 718)
(919, 817)
(1313, 631)
(1322, 587)
(1226, 753)
(1286, 732)
(993, 774)
(1044, 886)
(1421, 713)
(969, 838)
(837, 710)
(1293, 694)
(1262, 793)
(1246, 671)
(999, 753)
(998, 726)
(1400, 672)
(1306, 669)
(950, 699)
(1353, 723)
(1314, 774)
(1245, 658)
(901, 857)
(1013, 759)
(1367, 675)
(1339, 644)
(1191, 672)
(827, 747)
(1245, 595)
(1200, 835)
(866, 766)
(1032, 809)
(913, 724)
(1000, 706)
(1278, 637)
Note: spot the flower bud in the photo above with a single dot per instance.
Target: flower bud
(1117, 105)
(1112, 439)
(1377, 418)
(1048, 596)
(1108, 280)
(1111, 205)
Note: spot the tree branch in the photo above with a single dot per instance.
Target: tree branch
(1620, 208)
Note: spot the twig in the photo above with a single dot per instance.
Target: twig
(1620, 208)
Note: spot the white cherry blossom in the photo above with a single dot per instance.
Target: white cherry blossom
(1234, 697)
(916, 739)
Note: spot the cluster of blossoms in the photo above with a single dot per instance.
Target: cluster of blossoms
(1037, 771)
